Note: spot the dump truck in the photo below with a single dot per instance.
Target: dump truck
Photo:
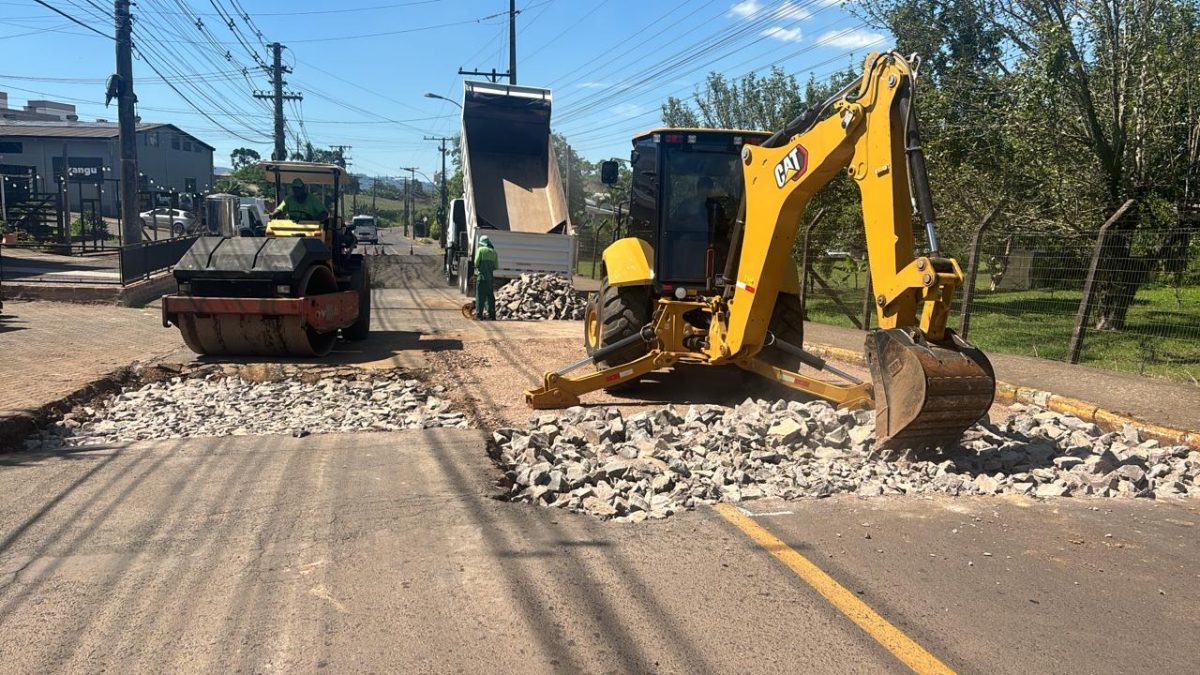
(512, 190)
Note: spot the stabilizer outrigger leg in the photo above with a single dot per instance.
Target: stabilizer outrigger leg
(855, 394)
(560, 391)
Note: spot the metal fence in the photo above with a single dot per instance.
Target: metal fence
(139, 261)
(1108, 297)
(590, 241)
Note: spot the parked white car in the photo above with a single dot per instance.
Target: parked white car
(178, 221)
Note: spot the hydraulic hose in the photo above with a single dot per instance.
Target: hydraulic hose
(916, 170)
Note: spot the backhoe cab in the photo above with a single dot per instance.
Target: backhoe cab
(705, 272)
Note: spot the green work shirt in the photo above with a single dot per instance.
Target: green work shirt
(486, 262)
(310, 208)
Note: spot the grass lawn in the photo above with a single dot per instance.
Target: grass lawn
(1161, 336)
(588, 268)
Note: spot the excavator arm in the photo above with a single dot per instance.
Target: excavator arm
(864, 138)
(929, 384)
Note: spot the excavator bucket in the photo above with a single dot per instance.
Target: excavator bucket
(926, 394)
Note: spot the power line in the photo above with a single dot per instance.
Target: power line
(72, 19)
(188, 100)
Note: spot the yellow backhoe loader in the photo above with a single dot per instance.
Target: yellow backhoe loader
(706, 274)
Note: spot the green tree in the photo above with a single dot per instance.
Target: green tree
(752, 102)
(768, 103)
(571, 168)
(1067, 107)
(243, 157)
(309, 153)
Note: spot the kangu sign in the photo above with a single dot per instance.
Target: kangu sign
(81, 170)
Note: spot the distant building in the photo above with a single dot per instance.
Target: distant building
(33, 141)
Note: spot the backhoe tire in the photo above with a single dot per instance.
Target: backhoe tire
(623, 312)
(591, 324)
(360, 280)
(787, 324)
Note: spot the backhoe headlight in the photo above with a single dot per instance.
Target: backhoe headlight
(681, 292)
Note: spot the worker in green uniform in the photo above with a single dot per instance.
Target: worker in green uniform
(485, 266)
(301, 204)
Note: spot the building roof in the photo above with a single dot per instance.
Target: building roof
(80, 130)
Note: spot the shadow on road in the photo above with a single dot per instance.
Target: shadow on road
(381, 345)
(10, 323)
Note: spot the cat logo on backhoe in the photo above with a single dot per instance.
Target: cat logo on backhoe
(792, 166)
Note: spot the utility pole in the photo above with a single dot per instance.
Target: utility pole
(122, 88)
(512, 51)
(405, 207)
(412, 172)
(277, 71)
(444, 210)
(512, 41)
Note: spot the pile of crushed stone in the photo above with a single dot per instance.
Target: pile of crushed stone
(538, 297)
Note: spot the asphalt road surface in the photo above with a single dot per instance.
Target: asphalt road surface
(385, 552)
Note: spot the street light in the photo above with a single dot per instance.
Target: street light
(430, 94)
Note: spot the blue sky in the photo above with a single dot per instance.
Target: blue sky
(364, 65)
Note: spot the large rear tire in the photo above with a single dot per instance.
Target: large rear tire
(787, 324)
(360, 280)
(623, 311)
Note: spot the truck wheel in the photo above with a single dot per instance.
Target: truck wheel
(787, 324)
(464, 275)
(360, 280)
(623, 311)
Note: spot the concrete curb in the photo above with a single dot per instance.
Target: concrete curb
(1090, 412)
(15, 428)
(133, 295)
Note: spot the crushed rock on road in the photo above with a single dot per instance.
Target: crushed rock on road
(655, 463)
(539, 297)
(212, 403)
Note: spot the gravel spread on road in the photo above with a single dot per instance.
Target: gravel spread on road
(213, 403)
(658, 462)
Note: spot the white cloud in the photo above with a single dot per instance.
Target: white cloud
(745, 9)
(592, 85)
(850, 39)
(784, 34)
(627, 110)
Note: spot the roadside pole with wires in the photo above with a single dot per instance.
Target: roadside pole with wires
(278, 96)
(120, 87)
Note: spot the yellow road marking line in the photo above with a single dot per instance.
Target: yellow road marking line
(893, 639)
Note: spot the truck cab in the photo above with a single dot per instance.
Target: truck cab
(365, 229)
